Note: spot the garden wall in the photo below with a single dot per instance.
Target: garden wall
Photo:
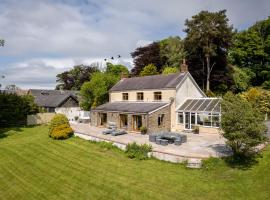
(39, 118)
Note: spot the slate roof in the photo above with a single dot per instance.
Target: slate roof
(130, 107)
(201, 105)
(149, 82)
(52, 98)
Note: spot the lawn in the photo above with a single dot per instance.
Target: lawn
(33, 166)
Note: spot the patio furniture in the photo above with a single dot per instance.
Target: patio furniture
(183, 138)
(158, 140)
(152, 138)
(118, 132)
(108, 131)
(177, 142)
(164, 142)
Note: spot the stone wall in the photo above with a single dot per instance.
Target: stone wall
(153, 120)
(39, 118)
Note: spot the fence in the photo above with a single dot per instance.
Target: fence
(39, 118)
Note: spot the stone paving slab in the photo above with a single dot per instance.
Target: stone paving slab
(197, 146)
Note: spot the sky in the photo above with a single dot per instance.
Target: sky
(47, 37)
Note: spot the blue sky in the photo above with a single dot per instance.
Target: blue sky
(44, 38)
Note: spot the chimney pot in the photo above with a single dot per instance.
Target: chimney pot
(184, 66)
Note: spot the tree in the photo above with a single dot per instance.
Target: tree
(143, 56)
(251, 49)
(12, 87)
(172, 51)
(170, 70)
(242, 79)
(74, 78)
(95, 91)
(149, 70)
(208, 39)
(242, 126)
(259, 99)
(116, 70)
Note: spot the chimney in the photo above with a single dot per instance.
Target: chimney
(184, 66)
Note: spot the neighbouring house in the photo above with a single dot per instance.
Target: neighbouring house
(171, 102)
(60, 101)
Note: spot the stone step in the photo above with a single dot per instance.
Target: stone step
(194, 163)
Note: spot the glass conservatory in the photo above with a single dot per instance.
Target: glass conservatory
(204, 112)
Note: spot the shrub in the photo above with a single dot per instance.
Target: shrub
(140, 152)
(143, 130)
(57, 120)
(63, 131)
(242, 125)
(59, 127)
(196, 130)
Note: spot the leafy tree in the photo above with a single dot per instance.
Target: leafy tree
(95, 91)
(208, 39)
(242, 126)
(259, 99)
(116, 70)
(251, 49)
(12, 87)
(74, 78)
(172, 51)
(149, 70)
(242, 79)
(170, 70)
(143, 56)
(14, 109)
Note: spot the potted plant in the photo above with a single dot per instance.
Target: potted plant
(76, 118)
(196, 130)
(143, 130)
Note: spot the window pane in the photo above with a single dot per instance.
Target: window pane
(180, 118)
(200, 119)
(207, 120)
(215, 121)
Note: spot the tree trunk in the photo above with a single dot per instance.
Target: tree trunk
(208, 72)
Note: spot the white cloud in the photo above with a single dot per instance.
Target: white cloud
(44, 38)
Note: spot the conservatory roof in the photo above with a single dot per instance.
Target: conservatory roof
(201, 105)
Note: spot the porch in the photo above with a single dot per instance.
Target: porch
(197, 146)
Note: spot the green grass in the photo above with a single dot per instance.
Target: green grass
(33, 166)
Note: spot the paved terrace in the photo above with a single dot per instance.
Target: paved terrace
(197, 146)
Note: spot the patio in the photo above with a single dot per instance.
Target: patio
(198, 146)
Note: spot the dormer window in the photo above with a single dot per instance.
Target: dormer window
(125, 96)
(157, 96)
(139, 96)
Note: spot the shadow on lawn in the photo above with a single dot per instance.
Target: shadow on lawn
(241, 163)
(8, 131)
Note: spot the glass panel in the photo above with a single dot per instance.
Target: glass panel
(207, 120)
(191, 105)
(204, 105)
(185, 104)
(180, 118)
(200, 119)
(215, 120)
(211, 105)
(198, 104)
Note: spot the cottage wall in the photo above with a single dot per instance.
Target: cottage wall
(153, 120)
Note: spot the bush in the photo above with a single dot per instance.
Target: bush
(14, 109)
(59, 127)
(63, 131)
(242, 125)
(140, 152)
(143, 130)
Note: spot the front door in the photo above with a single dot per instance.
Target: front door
(137, 122)
(123, 121)
(103, 119)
